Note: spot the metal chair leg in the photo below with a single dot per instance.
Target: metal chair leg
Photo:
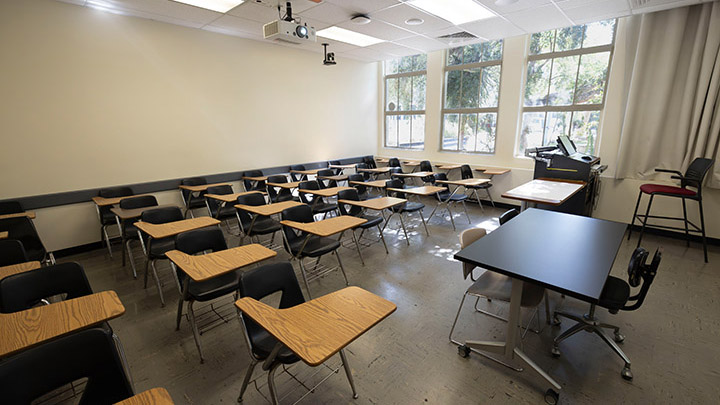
(107, 240)
(157, 283)
(246, 380)
(487, 190)
(382, 238)
(342, 268)
(637, 205)
(348, 373)
(304, 276)
(128, 249)
(466, 213)
(457, 315)
(687, 234)
(271, 384)
(425, 225)
(357, 246)
(702, 228)
(123, 359)
(196, 332)
(647, 213)
(477, 197)
(402, 223)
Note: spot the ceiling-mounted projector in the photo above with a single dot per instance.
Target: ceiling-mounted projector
(288, 29)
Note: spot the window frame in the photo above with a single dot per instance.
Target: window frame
(387, 113)
(571, 108)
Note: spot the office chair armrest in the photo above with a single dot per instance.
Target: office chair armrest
(678, 177)
(668, 171)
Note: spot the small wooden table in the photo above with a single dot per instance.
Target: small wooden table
(12, 269)
(290, 185)
(544, 191)
(382, 159)
(25, 329)
(449, 168)
(4, 234)
(343, 167)
(264, 210)
(169, 229)
(375, 172)
(379, 184)
(228, 198)
(325, 192)
(154, 396)
(204, 267)
(317, 329)
(422, 190)
(201, 187)
(492, 171)
(255, 178)
(338, 177)
(104, 202)
(29, 214)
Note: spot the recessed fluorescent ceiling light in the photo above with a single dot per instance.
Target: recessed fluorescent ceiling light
(347, 36)
(456, 11)
(221, 6)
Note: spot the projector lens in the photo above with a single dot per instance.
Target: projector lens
(301, 31)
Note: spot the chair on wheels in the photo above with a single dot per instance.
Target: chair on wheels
(694, 177)
(190, 199)
(278, 196)
(127, 226)
(107, 218)
(10, 207)
(259, 283)
(23, 229)
(253, 185)
(363, 191)
(326, 183)
(197, 242)
(263, 225)
(408, 206)
(316, 202)
(467, 173)
(156, 248)
(615, 297)
(301, 245)
(354, 210)
(446, 197)
(297, 176)
(12, 252)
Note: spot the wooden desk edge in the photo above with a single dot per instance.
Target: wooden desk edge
(153, 396)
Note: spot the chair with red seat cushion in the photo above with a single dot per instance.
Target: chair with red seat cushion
(694, 176)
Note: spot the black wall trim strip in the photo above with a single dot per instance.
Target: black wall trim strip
(81, 196)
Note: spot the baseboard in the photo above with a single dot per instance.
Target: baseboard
(674, 235)
(88, 247)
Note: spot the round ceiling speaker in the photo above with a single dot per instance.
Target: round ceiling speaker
(360, 19)
(414, 21)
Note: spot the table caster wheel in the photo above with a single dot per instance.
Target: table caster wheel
(619, 338)
(551, 396)
(555, 351)
(463, 351)
(627, 373)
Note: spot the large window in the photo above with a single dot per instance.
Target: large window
(405, 102)
(470, 106)
(565, 89)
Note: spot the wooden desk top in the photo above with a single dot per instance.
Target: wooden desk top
(325, 192)
(25, 329)
(327, 227)
(349, 166)
(4, 234)
(492, 171)
(411, 162)
(166, 230)
(339, 177)
(268, 209)
(290, 185)
(7, 271)
(29, 214)
(449, 167)
(255, 178)
(423, 190)
(155, 396)
(543, 191)
(202, 187)
(378, 204)
(382, 159)
(317, 329)
(306, 172)
(464, 182)
(205, 267)
(228, 198)
(415, 174)
(377, 170)
(103, 202)
(374, 183)
(135, 212)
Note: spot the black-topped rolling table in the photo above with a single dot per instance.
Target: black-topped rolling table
(566, 253)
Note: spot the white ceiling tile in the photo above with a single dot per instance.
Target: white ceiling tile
(511, 8)
(232, 32)
(593, 10)
(366, 54)
(328, 13)
(399, 14)
(422, 43)
(364, 6)
(335, 46)
(539, 19)
(493, 28)
(162, 10)
(255, 11)
(237, 24)
(378, 29)
(659, 5)
(318, 25)
(393, 49)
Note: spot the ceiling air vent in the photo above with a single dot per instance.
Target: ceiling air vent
(457, 37)
(639, 3)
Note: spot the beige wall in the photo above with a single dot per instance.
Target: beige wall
(93, 99)
(617, 197)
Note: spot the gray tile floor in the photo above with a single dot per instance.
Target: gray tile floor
(407, 359)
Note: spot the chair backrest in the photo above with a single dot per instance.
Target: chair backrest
(201, 240)
(370, 162)
(138, 202)
(365, 175)
(23, 229)
(695, 173)
(394, 183)
(466, 172)
(260, 185)
(326, 183)
(112, 192)
(308, 185)
(273, 193)
(299, 213)
(89, 353)
(294, 176)
(361, 188)
(24, 290)
(214, 204)
(443, 177)
(162, 215)
(394, 162)
(467, 238)
(425, 166)
(192, 181)
(254, 199)
(351, 194)
(508, 215)
(10, 207)
(639, 270)
(12, 252)
(335, 162)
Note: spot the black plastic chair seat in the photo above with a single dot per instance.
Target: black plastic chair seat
(285, 197)
(228, 211)
(615, 294)
(158, 247)
(130, 232)
(108, 218)
(263, 226)
(408, 207)
(371, 221)
(214, 287)
(443, 196)
(481, 186)
(315, 247)
(197, 202)
(323, 207)
(263, 344)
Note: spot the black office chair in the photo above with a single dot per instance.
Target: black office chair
(107, 218)
(326, 183)
(263, 225)
(354, 210)
(251, 185)
(316, 202)
(127, 226)
(408, 206)
(191, 199)
(12, 252)
(446, 197)
(300, 246)
(295, 176)
(694, 177)
(23, 229)
(363, 191)
(615, 297)
(280, 194)
(508, 215)
(195, 242)
(467, 173)
(156, 248)
(89, 353)
(426, 166)
(10, 207)
(259, 283)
